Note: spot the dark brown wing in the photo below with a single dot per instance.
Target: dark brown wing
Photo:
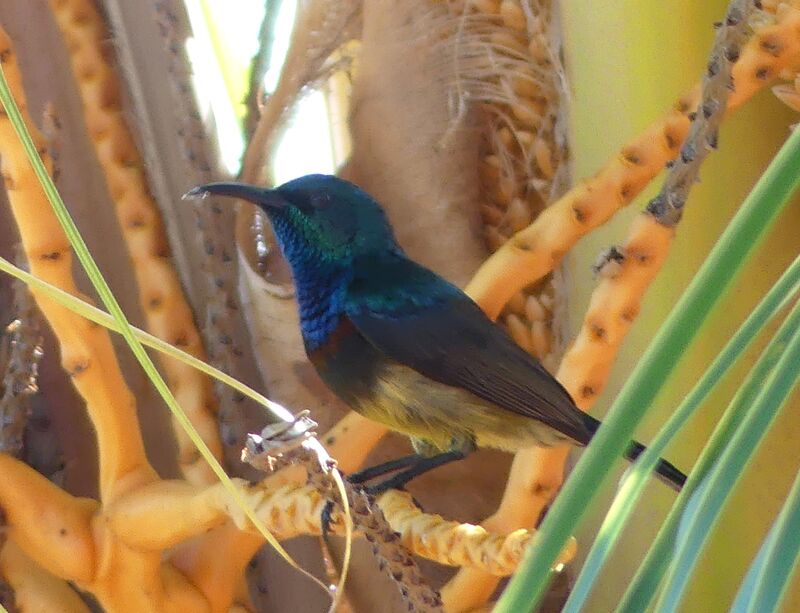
(416, 318)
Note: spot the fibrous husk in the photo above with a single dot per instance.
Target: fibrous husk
(509, 59)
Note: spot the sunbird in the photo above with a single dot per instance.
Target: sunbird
(401, 345)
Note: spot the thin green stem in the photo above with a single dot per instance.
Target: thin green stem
(637, 477)
(768, 578)
(92, 313)
(722, 266)
(645, 583)
(768, 396)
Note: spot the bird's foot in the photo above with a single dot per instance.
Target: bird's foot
(414, 465)
(367, 474)
(326, 518)
(398, 482)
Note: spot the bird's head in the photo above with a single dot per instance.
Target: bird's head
(317, 217)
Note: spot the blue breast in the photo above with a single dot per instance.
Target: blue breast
(320, 300)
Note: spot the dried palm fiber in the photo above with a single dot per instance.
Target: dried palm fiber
(42, 445)
(27, 429)
(20, 353)
(507, 55)
(167, 313)
(533, 252)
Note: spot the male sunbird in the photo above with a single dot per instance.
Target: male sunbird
(401, 345)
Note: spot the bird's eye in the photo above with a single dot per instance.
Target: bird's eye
(319, 201)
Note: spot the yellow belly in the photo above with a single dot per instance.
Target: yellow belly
(407, 402)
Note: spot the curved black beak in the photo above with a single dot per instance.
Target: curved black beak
(262, 196)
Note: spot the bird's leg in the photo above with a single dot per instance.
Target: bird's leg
(415, 465)
(420, 464)
(381, 469)
(326, 518)
(420, 467)
(365, 475)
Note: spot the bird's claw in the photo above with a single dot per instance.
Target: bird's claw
(326, 518)
(388, 484)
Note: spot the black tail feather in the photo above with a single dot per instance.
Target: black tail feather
(665, 471)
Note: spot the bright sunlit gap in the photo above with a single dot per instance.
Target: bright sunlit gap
(221, 55)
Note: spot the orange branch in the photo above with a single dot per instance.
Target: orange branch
(86, 351)
(51, 526)
(166, 310)
(533, 252)
(36, 590)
